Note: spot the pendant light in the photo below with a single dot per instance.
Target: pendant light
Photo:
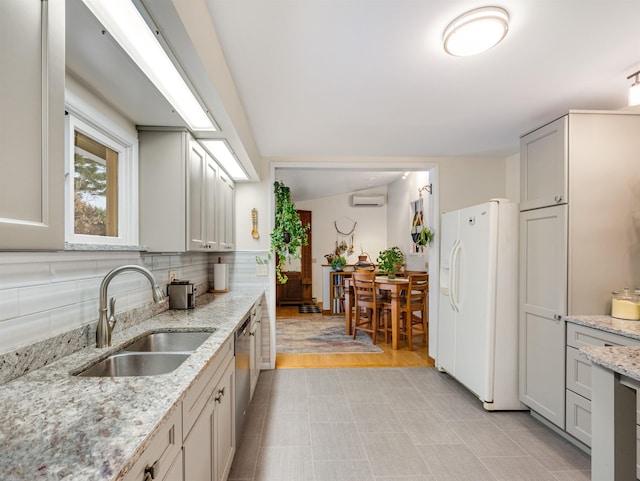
(476, 31)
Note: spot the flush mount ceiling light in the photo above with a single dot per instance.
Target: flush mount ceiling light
(634, 90)
(123, 21)
(476, 31)
(225, 157)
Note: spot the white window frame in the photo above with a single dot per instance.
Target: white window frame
(120, 140)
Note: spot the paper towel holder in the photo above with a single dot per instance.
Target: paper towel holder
(216, 289)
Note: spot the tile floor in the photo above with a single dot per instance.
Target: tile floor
(391, 424)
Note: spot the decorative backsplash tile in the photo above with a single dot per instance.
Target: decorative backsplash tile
(49, 301)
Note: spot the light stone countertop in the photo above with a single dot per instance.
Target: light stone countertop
(621, 359)
(54, 425)
(610, 324)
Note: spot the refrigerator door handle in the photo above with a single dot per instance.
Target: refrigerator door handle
(453, 276)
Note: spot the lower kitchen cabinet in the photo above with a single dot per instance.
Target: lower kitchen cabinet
(255, 352)
(162, 460)
(210, 444)
(198, 441)
(578, 395)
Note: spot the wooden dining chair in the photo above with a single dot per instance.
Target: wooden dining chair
(413, 311)
(368, 305)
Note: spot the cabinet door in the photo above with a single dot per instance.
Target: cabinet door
(211, 204)
(175, 469)
(544, 165)
(543, 299)
(224, 424)
(198, 447)
(225, 212)
(196, 195)
(32, 124)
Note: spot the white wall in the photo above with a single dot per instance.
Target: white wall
(469, 181)
(370, 234)
(249, 196)
(512, 173)
(401, 193)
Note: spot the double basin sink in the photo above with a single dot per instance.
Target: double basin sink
(153, 354)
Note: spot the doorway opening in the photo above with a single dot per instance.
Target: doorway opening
(319, 188)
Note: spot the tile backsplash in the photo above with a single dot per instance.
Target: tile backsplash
(49, 301)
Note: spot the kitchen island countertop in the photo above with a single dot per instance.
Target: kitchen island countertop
(55, 425)
(621, 327)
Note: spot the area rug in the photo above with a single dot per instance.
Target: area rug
(308, 309)
(319, 335)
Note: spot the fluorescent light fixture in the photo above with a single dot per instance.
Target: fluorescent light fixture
(634, 90)
(476, 31)
(225, 157)
(128, 28)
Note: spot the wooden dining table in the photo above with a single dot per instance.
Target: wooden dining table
(395, 287)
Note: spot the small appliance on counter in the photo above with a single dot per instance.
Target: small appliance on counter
(625, 304)
(182, 295)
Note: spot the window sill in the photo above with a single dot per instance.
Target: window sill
(102, 247)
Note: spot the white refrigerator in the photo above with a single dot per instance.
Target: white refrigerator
(478, 308)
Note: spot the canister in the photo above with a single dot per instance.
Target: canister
(625, 304)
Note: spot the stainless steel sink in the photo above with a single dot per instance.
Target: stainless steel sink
(154, 353)
(136, 364)
(169, 342)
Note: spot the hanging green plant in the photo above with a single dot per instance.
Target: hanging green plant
(288, 234)
(424, 236)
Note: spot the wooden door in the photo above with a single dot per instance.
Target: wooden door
(305, 264)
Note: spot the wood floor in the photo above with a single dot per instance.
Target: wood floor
(402, 357)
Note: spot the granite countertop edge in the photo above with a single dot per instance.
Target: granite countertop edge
(624, 360)
(621, 327)
(54, 425)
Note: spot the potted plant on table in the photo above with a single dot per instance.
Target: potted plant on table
(338, 263)
(390, 261)
(288, 234)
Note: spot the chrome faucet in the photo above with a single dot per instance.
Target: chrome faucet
(107, 321)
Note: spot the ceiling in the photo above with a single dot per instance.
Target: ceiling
(336, 79)
(369, 77)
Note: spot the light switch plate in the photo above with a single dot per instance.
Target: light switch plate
(172, 276)
(262, 270)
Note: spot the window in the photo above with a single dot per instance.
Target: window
(101, 191)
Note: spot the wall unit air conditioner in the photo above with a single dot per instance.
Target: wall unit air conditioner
(371, 200)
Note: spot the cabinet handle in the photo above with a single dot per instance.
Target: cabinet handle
(558, 198)
(557, 317)
(220, 395)
(150, 471)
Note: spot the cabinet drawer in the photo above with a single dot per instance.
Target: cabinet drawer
(578, 373)
(581, 336)
(198, 394)
(579, 417)
(163, 449)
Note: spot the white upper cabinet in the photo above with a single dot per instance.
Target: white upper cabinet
(183, 202)
(225, 212)
(543, 166)
(201, 214)
(32, 124)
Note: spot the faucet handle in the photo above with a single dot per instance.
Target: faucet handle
(112, 312)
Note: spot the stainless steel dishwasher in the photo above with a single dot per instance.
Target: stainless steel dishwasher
(243, 370)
